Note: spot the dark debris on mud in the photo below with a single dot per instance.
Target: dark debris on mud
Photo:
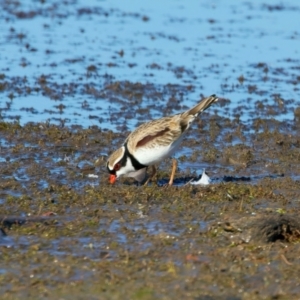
(278, 228)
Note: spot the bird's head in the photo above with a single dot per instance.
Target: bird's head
(119, 163)
(116, 163)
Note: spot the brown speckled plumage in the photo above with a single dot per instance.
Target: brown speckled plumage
(153, 141)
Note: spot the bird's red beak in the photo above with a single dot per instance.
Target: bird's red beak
(112, 178)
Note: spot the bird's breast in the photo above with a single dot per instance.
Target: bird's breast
(150, 156)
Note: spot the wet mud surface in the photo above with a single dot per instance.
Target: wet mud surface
(66, 233)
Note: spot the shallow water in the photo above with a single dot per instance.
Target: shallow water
(58, 59)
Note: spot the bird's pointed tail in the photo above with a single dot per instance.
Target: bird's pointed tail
(202, 105)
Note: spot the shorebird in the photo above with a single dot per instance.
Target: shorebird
(152, 142)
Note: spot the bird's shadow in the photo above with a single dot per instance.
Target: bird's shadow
(181, 181)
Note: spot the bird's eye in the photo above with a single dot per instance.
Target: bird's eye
(117, 167)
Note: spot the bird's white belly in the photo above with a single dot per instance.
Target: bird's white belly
(151, 156)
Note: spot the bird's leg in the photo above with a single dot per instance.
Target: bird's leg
(151, 175)
(174, 167)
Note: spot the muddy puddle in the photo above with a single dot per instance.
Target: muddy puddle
(76, 77)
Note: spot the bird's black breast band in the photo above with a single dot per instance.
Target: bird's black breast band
(136, 164)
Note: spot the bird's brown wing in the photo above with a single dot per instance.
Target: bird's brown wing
(157, 132)
(149, 138)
